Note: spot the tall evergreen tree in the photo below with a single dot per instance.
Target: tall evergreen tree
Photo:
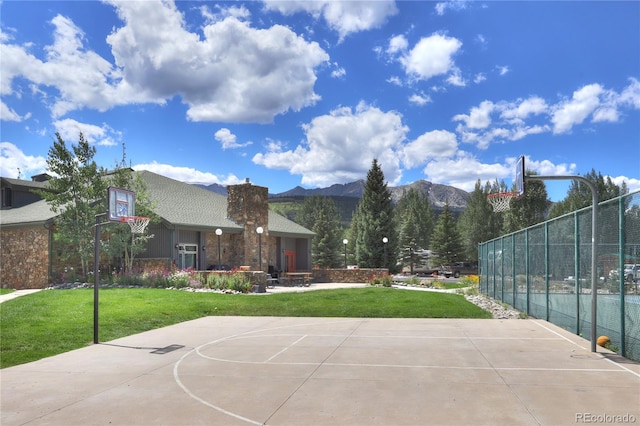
(414, 218)
(446, 242)
(321, 215)
(375, 222)
(77, 193)
(529, 209)
(579, 195)
(478, 222)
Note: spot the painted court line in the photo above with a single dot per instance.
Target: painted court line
(286, 348)
(603, 357)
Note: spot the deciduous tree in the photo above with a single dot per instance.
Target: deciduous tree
(77, 193)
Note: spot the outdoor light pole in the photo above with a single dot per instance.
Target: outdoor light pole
(345, 242)
(218, 233)
(385, 240)
(260, 230)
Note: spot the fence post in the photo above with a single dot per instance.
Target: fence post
(621, 244)
(513, 268)
(576, 267)
(546, 268)
(526, 267)
(502, 269)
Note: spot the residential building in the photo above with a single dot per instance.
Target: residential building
(184, 236)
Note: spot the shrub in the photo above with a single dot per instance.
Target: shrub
(472, 284)
(384, 280)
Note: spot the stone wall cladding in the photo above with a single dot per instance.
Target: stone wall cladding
(249, 205)
(24, 262)
(363, 275)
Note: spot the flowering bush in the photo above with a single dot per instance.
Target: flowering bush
(472, 284)
(188, 278)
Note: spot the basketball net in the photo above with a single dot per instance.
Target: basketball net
(500, 200)
(137, 223)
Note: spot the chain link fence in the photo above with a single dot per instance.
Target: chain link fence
(545, 271)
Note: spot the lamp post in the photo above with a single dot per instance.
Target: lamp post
(385, 240)
(345, 242)
(259, 230)
(218, 233)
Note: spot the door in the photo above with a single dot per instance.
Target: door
(187, 256)
(290, 260)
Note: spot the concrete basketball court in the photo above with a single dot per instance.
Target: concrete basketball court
(328, 371)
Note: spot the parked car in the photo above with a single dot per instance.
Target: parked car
(631, 273)
(459, 268)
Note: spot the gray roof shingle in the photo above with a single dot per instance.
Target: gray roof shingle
(177, 203)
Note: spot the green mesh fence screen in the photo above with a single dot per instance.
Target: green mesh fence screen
(545, 271)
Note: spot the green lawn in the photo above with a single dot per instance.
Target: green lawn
(6, 291)
(50, 322)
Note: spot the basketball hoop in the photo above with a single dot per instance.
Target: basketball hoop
(137, 223)
(500, 200)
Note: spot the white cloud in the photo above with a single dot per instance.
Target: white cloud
(97, 135)
(479, 117)
(503, 70)
(463, 170)
(517, 112)
(397, 44)
(188, 174)
(233, 73)
(479, 78)
(7, 114)
(454, 5)
(340, 147)
(157, 58)
(430, 145)
(631, 94)
(228, 140)
(14, 161)
(395, 80)
(523, 117)
(574, 111)
(343, 17)
(431, 56)
(633, 184)
(338, 71)
(419, 99)
(455, 78)
(547, 168)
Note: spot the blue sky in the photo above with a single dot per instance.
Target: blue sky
(309, 93)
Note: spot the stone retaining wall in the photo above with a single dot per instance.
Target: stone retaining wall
(363, 275)
(25, 257)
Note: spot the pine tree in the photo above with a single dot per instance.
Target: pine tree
(579, 195)
(529, 209)
(446, 242)
(321, 215)
(478, 222)
(415, 225)
(375, 222)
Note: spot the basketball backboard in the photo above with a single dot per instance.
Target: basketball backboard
(520, 187)
(122, 203)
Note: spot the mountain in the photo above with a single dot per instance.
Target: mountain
(214, 187)
(437, 194)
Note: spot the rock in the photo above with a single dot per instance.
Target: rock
(497, 310)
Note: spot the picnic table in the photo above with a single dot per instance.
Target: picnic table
(297, 278)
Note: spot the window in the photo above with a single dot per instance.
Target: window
(187, 256)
